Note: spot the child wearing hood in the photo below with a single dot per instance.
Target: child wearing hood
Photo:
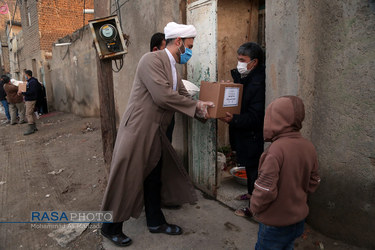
(288, 172)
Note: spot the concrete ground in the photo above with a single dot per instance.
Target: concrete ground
(60, 168)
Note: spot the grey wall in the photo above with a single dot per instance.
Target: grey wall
(140, 20)
(324, 51)
(73, 68)
(73, 75)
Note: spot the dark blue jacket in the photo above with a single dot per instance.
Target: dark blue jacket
(33, 89)
(246, 129)
(2, 91)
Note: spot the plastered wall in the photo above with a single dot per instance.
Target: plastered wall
(324, 52)
(73, 75)
(140, 20)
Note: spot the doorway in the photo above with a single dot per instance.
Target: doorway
(33, 64)
(222, 25)
(237, 23)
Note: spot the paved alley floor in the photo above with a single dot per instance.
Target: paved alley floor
(61, 168)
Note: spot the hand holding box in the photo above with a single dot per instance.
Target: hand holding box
(227, 97)
(22, 87)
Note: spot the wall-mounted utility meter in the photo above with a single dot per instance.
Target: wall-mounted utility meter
(108, 37)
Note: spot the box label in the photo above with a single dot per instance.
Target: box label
(231, 97)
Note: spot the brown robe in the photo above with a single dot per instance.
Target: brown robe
(141, 141)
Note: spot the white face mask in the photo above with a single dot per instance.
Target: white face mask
(242, 67)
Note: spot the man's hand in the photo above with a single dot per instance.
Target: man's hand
(201, 109)
(228, 118)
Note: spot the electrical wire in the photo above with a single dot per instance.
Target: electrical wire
(119, 12)
(119, 6)
(119, 65)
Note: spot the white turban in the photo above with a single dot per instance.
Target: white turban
(174, 30)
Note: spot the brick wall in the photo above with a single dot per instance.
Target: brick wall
(49, 20)
(31, 45)
(60, 18)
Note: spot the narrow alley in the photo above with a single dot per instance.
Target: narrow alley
(60, 168)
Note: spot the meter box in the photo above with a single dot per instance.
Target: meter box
(108, 38)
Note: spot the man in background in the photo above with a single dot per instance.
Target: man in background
(16, 104)
(246, 128)
(33, 89)
(157, 42)
(4, 101)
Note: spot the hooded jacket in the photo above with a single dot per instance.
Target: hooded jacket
(288, 169)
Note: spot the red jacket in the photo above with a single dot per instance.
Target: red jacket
(288, 169)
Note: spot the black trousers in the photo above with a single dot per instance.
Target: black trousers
(152, 200)
(252, 175)
(170, 128)
(152, 197)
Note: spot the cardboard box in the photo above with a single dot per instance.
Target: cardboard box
(22, 87)
(227, 97)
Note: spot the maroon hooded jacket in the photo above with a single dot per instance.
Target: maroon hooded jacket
(288, 169)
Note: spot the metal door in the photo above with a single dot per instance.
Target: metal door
(203, 67)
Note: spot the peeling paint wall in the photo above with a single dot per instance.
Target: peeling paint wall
(203, 67)
(324, 51)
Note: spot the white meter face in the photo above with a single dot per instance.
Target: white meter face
(107, 31)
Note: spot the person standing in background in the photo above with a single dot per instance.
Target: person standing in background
(246, 128)
(157, 42)
(4, 101)
(16, 104)
(31, 96)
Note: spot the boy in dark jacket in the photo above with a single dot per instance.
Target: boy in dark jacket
(246, 129)
(288, 172)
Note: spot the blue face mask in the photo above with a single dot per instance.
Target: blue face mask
(184, 58)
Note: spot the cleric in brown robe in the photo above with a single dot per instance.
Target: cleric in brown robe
(143, 158)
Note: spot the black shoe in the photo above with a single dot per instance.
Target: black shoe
(166, 229)
(118, 239)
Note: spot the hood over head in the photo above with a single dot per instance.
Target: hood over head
(283, 115)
